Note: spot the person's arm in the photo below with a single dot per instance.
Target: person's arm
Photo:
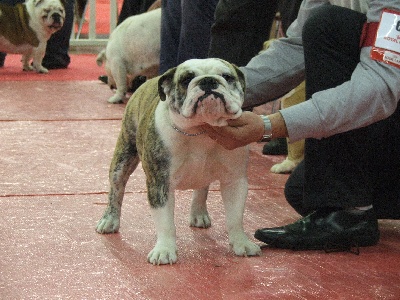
(372, 94)
(280, 68)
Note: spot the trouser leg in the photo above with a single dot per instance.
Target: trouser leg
(195, 35)
(342, 170)
(240, 29)
(171, 14)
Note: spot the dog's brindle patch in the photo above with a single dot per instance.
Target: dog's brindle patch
(155, 160)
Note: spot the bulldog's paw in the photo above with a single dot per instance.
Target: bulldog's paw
(116, 99)
(287, 166)
(245, 247)
(200, 220)
(109, 223)
(42, 70)
(27, 68)
(36, 67)
(163, 254)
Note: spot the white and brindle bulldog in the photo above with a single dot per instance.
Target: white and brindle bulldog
(162, 128)
(25, 29)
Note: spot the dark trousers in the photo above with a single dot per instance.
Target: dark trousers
(242, 26)
(185, 30)
(240, 29)
(356, 168)
(133, 7)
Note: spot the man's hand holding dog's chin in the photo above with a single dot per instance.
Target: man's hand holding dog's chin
(246, 129)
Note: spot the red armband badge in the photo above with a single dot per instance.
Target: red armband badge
(387, 41)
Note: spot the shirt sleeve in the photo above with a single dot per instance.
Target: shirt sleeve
(372, 93)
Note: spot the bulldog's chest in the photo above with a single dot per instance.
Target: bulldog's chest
(197, 164)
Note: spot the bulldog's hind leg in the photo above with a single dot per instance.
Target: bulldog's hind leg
(198, 212)
(119, 74)
(234, 196)
(124, 162)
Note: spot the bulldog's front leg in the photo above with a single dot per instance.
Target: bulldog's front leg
(26, 61)
(38, 54)
(124, 162)
(164, 251)
(234, 196)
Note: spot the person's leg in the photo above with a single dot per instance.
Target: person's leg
(57, 48)
(171, 11)
(2, 58)
(367, 157)
(195, 35)
(288, 10)
(337, 170)
(133, 7)
(240, 29)
(294, 190)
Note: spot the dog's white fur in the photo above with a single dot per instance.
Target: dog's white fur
(175, 161)
(132, 50)
(42, 22)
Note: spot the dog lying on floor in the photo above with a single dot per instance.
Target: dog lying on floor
(162, 128)
(133, 50)
(296, 149)
(25, 29)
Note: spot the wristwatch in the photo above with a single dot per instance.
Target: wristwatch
(267, 135)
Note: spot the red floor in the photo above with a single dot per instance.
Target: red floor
(56, 142)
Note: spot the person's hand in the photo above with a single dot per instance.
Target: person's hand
(248, 128)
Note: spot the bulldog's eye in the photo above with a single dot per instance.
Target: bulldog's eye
(186, 80)
(229, 78)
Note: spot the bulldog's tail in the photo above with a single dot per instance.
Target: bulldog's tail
(101, 57)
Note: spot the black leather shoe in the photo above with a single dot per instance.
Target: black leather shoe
(325, 229)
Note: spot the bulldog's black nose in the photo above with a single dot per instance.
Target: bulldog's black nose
(208, 84)
(56, 17)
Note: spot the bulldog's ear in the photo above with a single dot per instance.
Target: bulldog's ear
(165, 83)
(240, 76)
(37, 2)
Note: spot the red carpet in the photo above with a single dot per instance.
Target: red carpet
(82, 67)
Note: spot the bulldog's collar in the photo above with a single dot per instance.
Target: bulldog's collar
(185, 133)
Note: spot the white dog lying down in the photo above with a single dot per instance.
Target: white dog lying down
(162, 129)
(132, 50)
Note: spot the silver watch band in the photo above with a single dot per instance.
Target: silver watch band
(267, 136)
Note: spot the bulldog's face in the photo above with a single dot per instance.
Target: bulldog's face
(51, 14)
(203, 91)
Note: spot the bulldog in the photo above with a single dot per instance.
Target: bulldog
(25, 29)
(132, 50)
(162, 128)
